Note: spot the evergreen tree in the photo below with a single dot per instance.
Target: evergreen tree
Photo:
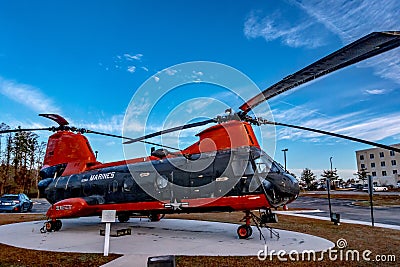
(362, 175)
(332, 176)
(308, 177)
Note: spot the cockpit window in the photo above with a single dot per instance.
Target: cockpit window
(276, 167)
(263, 164)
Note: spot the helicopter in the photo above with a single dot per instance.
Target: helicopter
(225, 170)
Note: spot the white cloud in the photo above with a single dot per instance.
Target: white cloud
(352, 19)
(113, 124)
(133, 57)
(170, 72)
(28, 96)
(131, 69)
(144, 68)
(349, 20)
(356, 124)
(156, 79)
(375, 91)
(276, 27)
(198, 73)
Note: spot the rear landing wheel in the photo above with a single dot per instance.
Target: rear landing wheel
(244, 231)
(155, 217)
(123, 217)
(51, 226)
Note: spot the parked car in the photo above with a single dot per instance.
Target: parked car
(376, 188)
(380, 188)
(15, 203)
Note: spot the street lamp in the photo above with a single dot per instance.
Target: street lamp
(284, 156)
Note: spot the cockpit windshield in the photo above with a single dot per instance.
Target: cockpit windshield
(265, 164)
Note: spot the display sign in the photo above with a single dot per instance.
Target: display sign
(108, 216)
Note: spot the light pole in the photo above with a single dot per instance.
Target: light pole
(328, 188)
(284, 156)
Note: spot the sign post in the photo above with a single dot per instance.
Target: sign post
(107, 216)
(370, 192)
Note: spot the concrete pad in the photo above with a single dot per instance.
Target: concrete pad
(166, 237)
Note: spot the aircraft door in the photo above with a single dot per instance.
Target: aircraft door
(201, 176)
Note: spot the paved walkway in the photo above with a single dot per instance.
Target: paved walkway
(167, 237)
(305, 215)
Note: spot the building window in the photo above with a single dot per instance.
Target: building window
(381, 154)
(374, 174)
(372, 164)
(384, 173)
(361, 157)
(383, 164)
(362, 166)
(393, 162)
(371, 156)
(394, 171)
(392, 153)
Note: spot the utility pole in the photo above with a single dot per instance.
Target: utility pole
(284, 156)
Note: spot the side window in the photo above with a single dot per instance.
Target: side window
(114, 186)
(128, 183)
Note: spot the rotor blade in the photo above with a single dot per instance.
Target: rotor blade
(26, 130)
(170, 130)
(368, 46)
(57, 118)
(335, 135)
(123, 137)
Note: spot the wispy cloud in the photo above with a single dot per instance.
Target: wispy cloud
(131, 69)
(129, 62)
(352, 19)
(376, 91)
(276, 27)
(349, 20)
(113, 124)
(360, 124)
(28, 96)
(133, 57)
(171, 72)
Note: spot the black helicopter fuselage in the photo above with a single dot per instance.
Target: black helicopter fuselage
(178, 179)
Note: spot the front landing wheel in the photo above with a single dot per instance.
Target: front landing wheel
(244, 231)
(51, 226)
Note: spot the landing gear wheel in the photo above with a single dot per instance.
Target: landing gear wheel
(57, 225)
(244, 231)
(49, 226)
(154, 217)
(123, 217)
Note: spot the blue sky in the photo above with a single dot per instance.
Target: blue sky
(86, 59)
